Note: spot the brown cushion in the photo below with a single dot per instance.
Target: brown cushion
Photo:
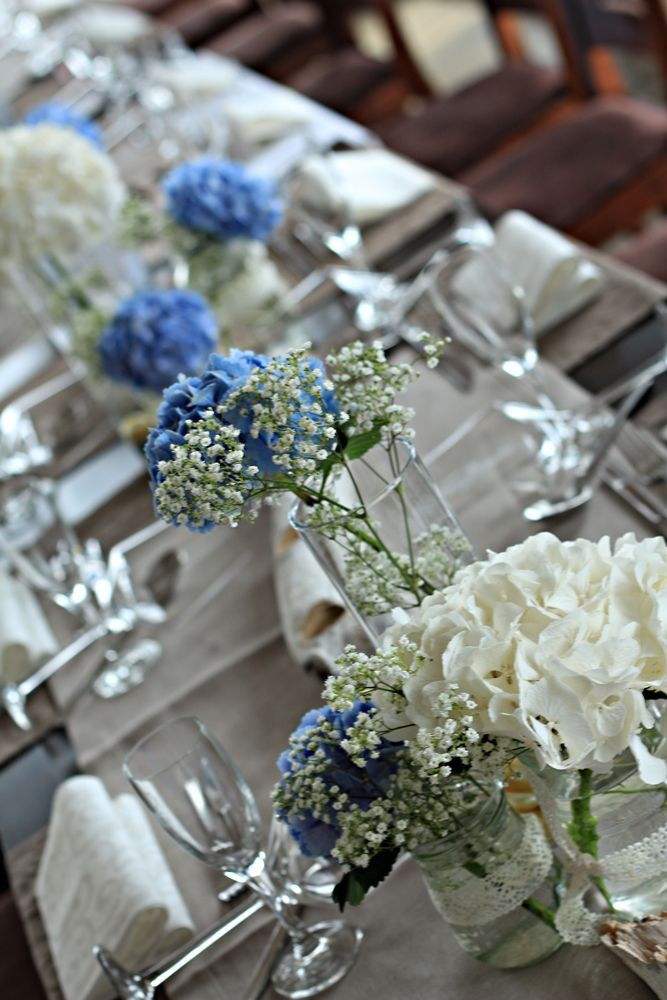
(342, 79)
(647, 252)
(199, 20)
(18, 978)
(153, 7)
(452, 133)
(259, 40)
(565, 173)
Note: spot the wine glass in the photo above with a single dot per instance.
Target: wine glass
(485, 311)
(200, 798)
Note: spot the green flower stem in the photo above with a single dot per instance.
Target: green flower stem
(71, 290)
(542, 912)
(583, 828)
(538, 910)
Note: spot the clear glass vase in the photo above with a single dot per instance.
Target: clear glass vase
(388, 540)
(494, 882)
(629, 819)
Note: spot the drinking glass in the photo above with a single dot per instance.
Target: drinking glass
(484, 310)
(50, 557)
(200, 798)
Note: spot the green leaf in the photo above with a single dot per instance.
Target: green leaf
(359, 444)
(354, 885)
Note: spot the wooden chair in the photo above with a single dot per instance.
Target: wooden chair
(600, 27)
(324, 63)
(199, 20)
(647, 252)
(277, 41)
(593, 174)
(452, 132)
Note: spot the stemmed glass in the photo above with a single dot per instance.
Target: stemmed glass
(485, 311)
(199, 797)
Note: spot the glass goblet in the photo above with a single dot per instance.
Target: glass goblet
(200, 798)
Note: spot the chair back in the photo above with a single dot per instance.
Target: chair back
(504, 17)
(600, 25)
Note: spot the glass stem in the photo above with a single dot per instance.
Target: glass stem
(286, 910)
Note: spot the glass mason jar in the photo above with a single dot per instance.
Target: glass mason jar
(391, 539)
(630, 821)
(494, 882)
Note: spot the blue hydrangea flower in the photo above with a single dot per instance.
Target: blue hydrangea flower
(223, 199)
(188, 398)
(53, 113)
(157, 335)
(317, 837)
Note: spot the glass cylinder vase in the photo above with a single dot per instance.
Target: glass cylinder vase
(629, 819)
(494, 882)
(388, 539)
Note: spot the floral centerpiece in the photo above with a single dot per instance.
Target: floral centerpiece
(216, 219)
(250, 429)
(59, 196)
(152, 338)
(561, 648)
(360, 785)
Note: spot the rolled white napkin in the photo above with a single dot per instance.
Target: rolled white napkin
(102, 879)
(266, 116)
(316, 625)
(194, 75)
(372, 183)
(557, 278)
(112, 24)
(26, 639)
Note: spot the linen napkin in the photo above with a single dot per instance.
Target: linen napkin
(556, 277)
(191, 76)
(373, 183)
(103, 879)
(255, 118)
(26, 639)
(112, 24)
(316, 626)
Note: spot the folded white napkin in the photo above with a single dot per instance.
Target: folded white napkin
(112, 24)
(316, 625)
(26, 639)
(266, 116)
(103, 880)
(97, 480)
(194, 75)
(373, 183)
(557, 279)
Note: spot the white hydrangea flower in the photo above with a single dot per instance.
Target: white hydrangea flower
(58, 194)
(555, 642)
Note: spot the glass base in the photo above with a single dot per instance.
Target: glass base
(127, 670)
(528, 945)
(326, 955)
